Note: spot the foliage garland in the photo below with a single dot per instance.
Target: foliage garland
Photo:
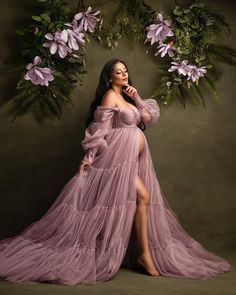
(56, 49)
(196, 31)
(187, 39)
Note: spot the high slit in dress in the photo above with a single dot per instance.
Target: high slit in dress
(86, 235)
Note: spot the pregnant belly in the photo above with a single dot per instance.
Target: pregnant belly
(141, 141)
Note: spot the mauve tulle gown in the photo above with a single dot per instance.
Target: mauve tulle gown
(88, 234)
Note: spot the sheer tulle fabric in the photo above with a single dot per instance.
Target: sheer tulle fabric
(86, 235)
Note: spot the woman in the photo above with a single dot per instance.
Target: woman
(87, 234)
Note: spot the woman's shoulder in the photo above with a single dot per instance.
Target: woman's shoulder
(108, 106)
(109, 99)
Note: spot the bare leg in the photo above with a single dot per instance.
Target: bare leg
(141, 217)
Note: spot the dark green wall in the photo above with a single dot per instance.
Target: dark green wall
(193, 150)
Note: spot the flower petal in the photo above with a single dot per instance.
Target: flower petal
(78, 16)
(46, 44)
(37, 60)
(49, 36)
(53, 47)
(64, 36)
(38, 73)
(159, 17)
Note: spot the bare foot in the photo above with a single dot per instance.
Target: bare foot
(145, 261)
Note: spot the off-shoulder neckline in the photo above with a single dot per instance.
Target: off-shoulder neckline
(116, 108)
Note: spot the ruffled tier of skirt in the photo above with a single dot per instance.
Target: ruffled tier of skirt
(87, 234)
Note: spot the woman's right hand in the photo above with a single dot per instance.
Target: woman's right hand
(131, 91)
(84, 164)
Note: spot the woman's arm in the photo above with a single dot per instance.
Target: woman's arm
(149, 108)
(94, 141)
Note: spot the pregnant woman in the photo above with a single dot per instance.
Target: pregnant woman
(112, 212)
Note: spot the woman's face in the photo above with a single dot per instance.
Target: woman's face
(119, 75)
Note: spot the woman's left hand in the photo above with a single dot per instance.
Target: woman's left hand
(130, 91)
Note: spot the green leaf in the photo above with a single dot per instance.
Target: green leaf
(51, 27)
(60, 26)
(37, 18)
(45, 17)
(177, 12)
(187, 11)
(195, 26)
(39, 33)
(44, 22)
(198, 5)
(20, 32)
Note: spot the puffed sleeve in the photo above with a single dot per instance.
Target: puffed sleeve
(94, 141)
(149, 110)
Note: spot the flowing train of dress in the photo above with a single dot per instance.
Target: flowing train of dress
(86, 235)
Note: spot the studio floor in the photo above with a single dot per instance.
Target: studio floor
(127, 282)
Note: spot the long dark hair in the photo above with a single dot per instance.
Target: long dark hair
(103, 86)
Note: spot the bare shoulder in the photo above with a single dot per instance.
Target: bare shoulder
(109, 99)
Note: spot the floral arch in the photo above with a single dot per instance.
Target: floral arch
(53, 54)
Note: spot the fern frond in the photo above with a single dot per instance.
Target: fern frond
(220, 21)
(207, 82)
(21, 104)
(197, 92)
(222, 59)
(51, 104)
(194, 93)
(179, 94)
(59, 95)
(222, 54)
(224, 50)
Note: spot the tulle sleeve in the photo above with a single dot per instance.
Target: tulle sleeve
(94, 141)
(149, 110)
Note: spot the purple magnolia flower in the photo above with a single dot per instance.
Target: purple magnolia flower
(37, 75)
(185, 69)
(195, 73)
(165, 49)
(58, 43)
(88, 20)
(158, 32)
(182, 68)
(75, 37)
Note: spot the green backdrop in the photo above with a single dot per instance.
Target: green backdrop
(193, 150)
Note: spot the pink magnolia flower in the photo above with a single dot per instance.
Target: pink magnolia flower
(182, 68)
(58, 43)
(195, 73)
(75, 37)
(161, 30)
(185, 69)
(165, 49)
(37, 75)
(88, 20)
